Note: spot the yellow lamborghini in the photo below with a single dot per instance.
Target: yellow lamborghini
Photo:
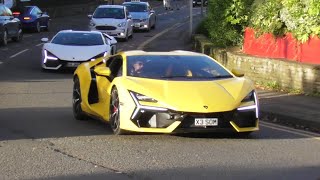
(165, 92)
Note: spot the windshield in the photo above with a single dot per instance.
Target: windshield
(78, 39)
(136, 7)
(117, 13)
(175, 67)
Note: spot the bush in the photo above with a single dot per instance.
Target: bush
(226, 20)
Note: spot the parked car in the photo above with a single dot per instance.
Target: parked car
(10, 27)
(33, 18)
(165, 92)
(143, 16)
(69, 48)
(198, 3)
(114, 20)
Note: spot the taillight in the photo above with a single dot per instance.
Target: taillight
(16, 13)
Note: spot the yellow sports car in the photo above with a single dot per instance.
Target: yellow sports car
(165, 92)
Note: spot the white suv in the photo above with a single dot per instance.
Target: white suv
(114, 20)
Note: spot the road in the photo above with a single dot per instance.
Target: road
(39, 139)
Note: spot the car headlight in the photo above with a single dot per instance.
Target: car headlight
(123, 24)
(249, 97)
(48, 56)
(92, 24)
(141, 97)
(104, 54)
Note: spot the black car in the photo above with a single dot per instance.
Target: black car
(10, 27)
(198, 3)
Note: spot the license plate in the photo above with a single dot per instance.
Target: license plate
(206, 122)
(137, 25)
(73, 64)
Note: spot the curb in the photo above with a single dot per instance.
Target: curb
(287, 120)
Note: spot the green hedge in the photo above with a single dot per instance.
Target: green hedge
(227, 19)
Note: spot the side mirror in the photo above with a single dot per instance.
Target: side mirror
(44, 40)
(237, 72)
(90, 16)
(102, 71)
(129, 17)
(152, 11)
(45, 13)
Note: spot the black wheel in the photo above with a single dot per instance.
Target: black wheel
(127, 35)
(154, 25)
(148, 27)
(4, 38)
(76, 101)
(19, 36)
(114, 117)
(48, 26)
(37, 28)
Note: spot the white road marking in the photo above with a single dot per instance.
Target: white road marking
(19, 53)
(26, 36)
(291, 130)
(157, 35)
(39, 44)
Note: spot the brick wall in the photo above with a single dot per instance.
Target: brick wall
(287, 74)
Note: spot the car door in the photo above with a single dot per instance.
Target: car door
(12, 23)
(152, 15)
(129, 21)
(37, 13)
(114, 63)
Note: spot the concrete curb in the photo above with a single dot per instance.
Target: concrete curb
(290, 121)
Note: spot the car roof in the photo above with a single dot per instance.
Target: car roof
(73, 31)
(176, 52)
(135, 2)
(110, 6)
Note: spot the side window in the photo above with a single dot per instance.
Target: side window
(116, 66)
(2, 11)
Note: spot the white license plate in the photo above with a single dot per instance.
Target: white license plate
(137, 25)
(73, 64)
(206, 122)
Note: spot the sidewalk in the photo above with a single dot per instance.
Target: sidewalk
(297, 111)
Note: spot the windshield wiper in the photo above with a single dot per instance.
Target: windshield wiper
(170, 77)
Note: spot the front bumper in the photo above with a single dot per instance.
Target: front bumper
(117, 33)
(144, 117)
(140, 25)
(60, 64)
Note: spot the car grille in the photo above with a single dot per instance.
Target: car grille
(106, 28)
(136, 20)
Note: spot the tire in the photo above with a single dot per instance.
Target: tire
(127, 36)
(48, 26)
(154, 25)
(4, 38)
(148, 27)
(114, 112)
(76, 101)
(37, 28)
(19, 37)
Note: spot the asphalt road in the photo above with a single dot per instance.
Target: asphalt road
(39, 139)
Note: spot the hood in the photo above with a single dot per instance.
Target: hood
(75, 53)
(139, 15)
(192, 96)
(107, 21)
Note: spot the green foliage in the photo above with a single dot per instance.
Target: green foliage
(302, 18)
(266, 17)
(226, 20)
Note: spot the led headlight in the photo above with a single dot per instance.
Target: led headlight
(141, 97)
(104, 54)
(48, 56)
(123, 24)
(249, 97)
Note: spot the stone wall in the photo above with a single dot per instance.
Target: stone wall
(288, 75)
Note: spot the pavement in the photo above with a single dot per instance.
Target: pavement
(294, 110)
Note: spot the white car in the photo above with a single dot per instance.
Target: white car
(69, 48)
(114, 20)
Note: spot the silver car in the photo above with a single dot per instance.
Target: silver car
(144, 17)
